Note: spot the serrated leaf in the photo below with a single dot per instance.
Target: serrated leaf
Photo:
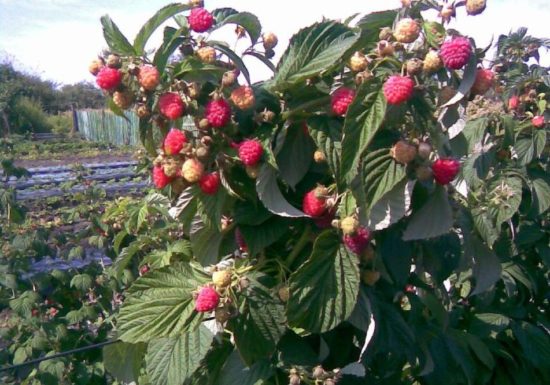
(393, 206)
(210, 208)
(486, 264)
(235, 372)
(371, 24)
(311, 51)
(160, 303)
(327, 135)
(173, 360)
(123, 360)
(433, 219)
(116, 41)
(295, 156)
(485, 227)
(258, 237)
(143, 213)
(154, 22)
(205, 241)
(172, 40)
(323, 291)
(81, 282)
(260, 326)
(510, 187)
(468, 79)
(271, 196)
(541, 194)
(534, 342)
(434, 33)
(363, 119)
(245, 19)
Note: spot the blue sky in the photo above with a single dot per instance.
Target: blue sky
(56, 39)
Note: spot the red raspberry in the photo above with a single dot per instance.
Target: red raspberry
(341, 99)
(250, 152)
(456, 52)
(239, 239)
(210, 183)
(398, 89)
(174, 141)
(108, 78)
(218, 112)
(538, 121)
(315, 202)
(207, 299)
(359, 241)
(484, 81)
(513, 103)
(445, 170)
(148, 77)
(171, 105)
(159, 177)
(200, 20)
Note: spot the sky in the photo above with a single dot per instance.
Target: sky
(56, 39)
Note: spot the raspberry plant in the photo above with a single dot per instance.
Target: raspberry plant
(378, 207)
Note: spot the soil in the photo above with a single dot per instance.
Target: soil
(72, 159)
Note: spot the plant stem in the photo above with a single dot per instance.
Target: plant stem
(302, 242)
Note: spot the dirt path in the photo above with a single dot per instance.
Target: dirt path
(71, 159)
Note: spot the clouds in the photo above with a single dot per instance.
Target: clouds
(58, 38)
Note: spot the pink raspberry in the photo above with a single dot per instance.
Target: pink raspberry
(456, 52)
(171, 105)
(445, 170)
(513, 103)
(398, 89)
(359, 241)
(341, 99)
(200, 20)
(315, 202)
(174, 141)
(207, 300)
(538, 121)
(108, 78)
(159, 177)
(218, 112)
(239, 239)
(250, 152)
(210, 183)
(148, 77)
(484, 81)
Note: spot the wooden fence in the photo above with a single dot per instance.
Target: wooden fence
(106, 127)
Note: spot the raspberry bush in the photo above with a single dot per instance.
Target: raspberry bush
(375, 218)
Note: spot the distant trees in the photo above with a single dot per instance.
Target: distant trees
(30, 104)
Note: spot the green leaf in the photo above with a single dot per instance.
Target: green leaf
(372, 23)
(478, 347)
(363, 119)
(260, 236)
(235, 372)
(434, 33)
(23, 304)
(271, 196)
(486, 265)
(173, 360)
(541, 194)
(504, 209)
(485, 227)
(123, 360)
(160, 303)
(143, 213)
(311, 51)
(468, 79)
(295, 156)
(210, 208)
(172, 40)
(327, 135)
(260, 325)
(205, 241)
(323, 291)
(116, 41)
(393, 206)
(81, 282)
(534, 342)
(236, 59)
(245, 19)
(433, 219)
(153, 23)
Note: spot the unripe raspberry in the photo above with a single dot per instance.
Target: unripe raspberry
(113, 61)
(206, 54)
(406, 3)
(538, 121)
(349, 225)
(475, 7)
(196, 3)
(403, 152)
(485, 79)
(202, 153)
(142, 111)
(294, 379)
(385, 34)
(250, 152)
(123, 99)
(243, 97)
(370, 277)
(424, 150)
(315, 202)
(456, 52)
(363, 77)
(414, 66)
(148, 77)
(210, 183)
(284, 293)
(432, 62)
(318, 373)
(385, 48)
(445, 170)
(267, 116)
(95, 66)
(359, 241)
(229, 78)
(223, 314)
(160, 179)
(358, 62)
(447, 12)
(193, 90)
(171, 106)
(406, 31)
(204, 124)
(341, 99)
(218, 113)
(221, 278)
(192, 170)
(398, 89)
(174, 141)
(200, 20)
(252, 171)
(207, 299)
(319, 157)
(171, 167)
(108, 78)
(270, 40)
(424, 173)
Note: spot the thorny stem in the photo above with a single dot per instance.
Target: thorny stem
(302, 242)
